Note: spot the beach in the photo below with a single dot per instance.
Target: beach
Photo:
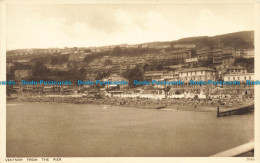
(200, 105)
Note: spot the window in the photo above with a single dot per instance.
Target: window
(249, 77)
(234, 78)
(237, 78)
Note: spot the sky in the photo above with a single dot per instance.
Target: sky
(86, 25)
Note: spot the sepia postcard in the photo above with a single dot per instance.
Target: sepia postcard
(129, 81)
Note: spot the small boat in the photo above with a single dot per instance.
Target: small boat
(11, 98)
(161, 107)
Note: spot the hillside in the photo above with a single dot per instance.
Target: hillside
(237, 40)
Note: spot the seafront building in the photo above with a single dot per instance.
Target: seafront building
(200, 73)
(238, 73)
(182, 62)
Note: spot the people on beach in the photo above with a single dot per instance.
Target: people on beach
(134, 102)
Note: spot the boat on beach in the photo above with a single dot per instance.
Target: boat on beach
(11, 98)
(161, 107)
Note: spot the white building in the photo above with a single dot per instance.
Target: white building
(191, 60)
(239, 77)
(238, 73)
(197, 74)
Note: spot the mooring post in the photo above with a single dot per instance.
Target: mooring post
(218, 111)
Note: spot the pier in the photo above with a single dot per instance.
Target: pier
(238, 111)
(237, 151)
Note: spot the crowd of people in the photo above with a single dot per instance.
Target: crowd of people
(137, 102)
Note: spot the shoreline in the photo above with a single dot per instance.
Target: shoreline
(165, 104)
(167, 108)
(204, 109)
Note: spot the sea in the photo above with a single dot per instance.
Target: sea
(42, 129)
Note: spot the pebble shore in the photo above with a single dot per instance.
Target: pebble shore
(182, 104)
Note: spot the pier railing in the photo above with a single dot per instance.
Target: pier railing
(237, 151)
(237, 111)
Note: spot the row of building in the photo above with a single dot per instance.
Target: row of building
(221, 58)
(237, 73)
(201, 73)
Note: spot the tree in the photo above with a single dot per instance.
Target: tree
(87, 51)
(19, 66)
(90, 58)
(102, 75)
(248, 63)
(82, 71)
(39, 68)
(134, 74)
(54, 60)
(40, 71)
(117, 51)
(146, 67)
(193, 53)
(178, 92)
(166, 90)
(160, 67)
(108, 62)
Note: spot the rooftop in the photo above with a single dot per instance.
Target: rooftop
(240, 74)
(197, 69)
(237, 68)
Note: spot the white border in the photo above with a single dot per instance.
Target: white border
(127, 159)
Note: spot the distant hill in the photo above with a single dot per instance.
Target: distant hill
(244, 39)
(237, 40)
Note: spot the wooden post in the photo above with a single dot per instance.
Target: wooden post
(218, 111)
